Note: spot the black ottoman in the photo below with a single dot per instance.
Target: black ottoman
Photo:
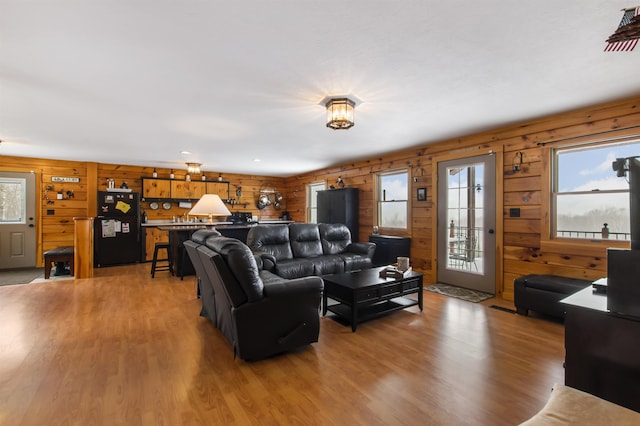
(541, 293)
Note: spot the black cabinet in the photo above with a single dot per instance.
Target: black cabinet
(389, 248)
(340, 206)
(602, 350)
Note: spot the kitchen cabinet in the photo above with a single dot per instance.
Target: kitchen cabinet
(150, 236)
(219, 188)
(340, 206)
(187, 190)
(178, 189)
(156, 188)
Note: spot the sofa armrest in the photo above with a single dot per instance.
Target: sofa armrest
(366, 249)
(296, 286)
(268, 260)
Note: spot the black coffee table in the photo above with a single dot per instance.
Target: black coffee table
(363, 295)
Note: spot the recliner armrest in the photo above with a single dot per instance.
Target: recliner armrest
(362, 248)
(296, 286)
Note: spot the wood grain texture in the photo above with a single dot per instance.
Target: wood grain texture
(122, 348)
(527, 189)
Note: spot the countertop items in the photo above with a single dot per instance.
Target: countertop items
(155, 223)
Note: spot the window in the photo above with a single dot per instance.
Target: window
(312, 200)
(590, 201)
(392, 199)
(12, 200)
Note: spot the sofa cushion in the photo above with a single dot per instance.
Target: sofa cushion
(327, 264)
(294, 268)
(305, 240)
(242, 264)
(335, 237)
(271, 239)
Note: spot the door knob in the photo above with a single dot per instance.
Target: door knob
(491, 231)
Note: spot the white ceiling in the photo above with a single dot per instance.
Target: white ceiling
(137, 82)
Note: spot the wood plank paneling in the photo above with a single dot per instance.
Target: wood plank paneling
(525, 189)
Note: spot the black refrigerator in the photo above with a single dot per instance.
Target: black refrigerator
(117, 229)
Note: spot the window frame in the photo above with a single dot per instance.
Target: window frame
(549, 176)
(378, 202)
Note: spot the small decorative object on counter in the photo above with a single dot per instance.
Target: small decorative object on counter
(375, 230)
(204, 177)
(187, 177)
(605, 231)
(155, 173)
(124, 185)
(220, 177)
(111, 183)
(172, 175)
(144, 216)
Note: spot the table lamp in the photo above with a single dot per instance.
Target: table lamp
(210, 205)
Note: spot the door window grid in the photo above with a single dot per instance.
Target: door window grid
(465, 211)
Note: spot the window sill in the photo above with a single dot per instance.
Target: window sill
(597, 248)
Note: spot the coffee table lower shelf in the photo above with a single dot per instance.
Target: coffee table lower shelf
(375, 310)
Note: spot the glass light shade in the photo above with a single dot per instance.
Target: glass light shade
(340, 113)
(210, 205)
(193, 168)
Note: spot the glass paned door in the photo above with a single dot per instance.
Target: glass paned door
(466, 222)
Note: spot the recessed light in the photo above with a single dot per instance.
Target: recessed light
(256, 160)
(185, 153)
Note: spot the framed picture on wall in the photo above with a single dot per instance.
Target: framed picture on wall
(422, 194)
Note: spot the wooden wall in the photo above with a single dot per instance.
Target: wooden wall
(523, 243)
(55, 223)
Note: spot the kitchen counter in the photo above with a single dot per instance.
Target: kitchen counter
(165, 223)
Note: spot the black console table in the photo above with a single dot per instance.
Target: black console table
(602, 350)
(389, 248)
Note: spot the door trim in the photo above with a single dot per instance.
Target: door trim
(472, 152)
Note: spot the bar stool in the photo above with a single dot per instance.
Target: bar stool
(162, 267)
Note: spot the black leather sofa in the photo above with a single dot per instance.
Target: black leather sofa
(302, 249)
(259, 313)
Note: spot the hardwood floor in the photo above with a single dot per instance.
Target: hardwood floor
(122, 348)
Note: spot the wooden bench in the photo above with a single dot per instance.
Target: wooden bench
(58, 254)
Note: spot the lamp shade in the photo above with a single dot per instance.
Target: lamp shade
(340, 113)
(210, 205)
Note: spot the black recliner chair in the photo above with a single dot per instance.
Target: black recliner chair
(259, 313)
(197, 239)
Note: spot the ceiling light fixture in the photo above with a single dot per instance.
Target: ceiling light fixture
(193, 168)
(340, 113)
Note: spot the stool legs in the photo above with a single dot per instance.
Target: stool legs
(163, 267)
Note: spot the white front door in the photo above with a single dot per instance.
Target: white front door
(466, 223)
(17, 220)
